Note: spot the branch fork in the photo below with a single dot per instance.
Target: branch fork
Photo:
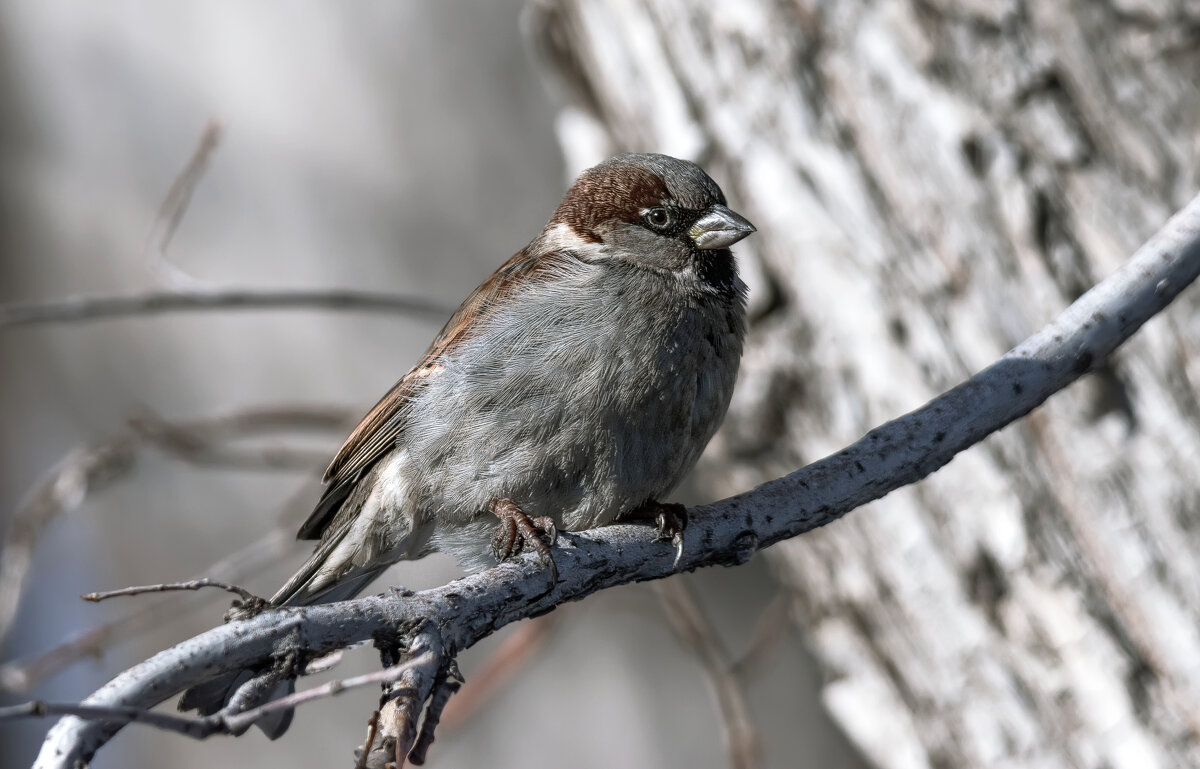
(425, 687)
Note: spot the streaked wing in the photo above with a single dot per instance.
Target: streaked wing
(381, 428)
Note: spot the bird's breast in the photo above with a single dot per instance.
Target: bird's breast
(579, 402)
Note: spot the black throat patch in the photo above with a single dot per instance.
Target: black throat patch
(717, 270)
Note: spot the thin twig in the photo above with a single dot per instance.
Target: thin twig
(82, 472)
(89, 470)
(772, 625)
(19, 676)
(252, 421)
(384, 676)
(207, 442)
(694, 630)
(165, 587)
(176, 203)
(727, 532)
(447, 683)
(372, 728)
(91, 308)
(202, 728)
(189, 445)
(513, 654)
(197, 728)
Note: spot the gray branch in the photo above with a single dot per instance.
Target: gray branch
(724, 533)
(90, 308)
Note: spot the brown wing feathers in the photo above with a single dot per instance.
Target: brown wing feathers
(367, 444)
(379, 430)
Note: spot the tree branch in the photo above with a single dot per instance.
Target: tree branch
(724, 533)
(90, 308)
(75, 309)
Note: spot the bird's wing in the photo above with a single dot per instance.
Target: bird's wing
(379, 431)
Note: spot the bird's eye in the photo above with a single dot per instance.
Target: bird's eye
(659, 218)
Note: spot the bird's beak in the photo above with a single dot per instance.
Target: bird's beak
(719, 228)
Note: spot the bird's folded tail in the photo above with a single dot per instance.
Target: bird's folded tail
(307, 586)
(212, 695)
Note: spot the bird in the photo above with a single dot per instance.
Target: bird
(574, 388)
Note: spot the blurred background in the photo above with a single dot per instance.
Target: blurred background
(397, 147)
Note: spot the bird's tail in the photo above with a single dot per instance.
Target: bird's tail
(349, 557)
(212, 695)
(305, 588)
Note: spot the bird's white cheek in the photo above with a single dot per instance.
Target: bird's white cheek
(561, 237)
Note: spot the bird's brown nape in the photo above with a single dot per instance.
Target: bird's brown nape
(609, 192)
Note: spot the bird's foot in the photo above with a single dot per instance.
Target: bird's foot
(517, 532)
(671, 518)
(246, 608)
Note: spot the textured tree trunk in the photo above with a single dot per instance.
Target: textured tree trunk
(932, 181)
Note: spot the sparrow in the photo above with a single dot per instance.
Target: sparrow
(574, 388)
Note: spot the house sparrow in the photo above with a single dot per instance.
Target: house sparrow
(576, 386)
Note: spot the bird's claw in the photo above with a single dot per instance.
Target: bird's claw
(517, 531)
(669, 518)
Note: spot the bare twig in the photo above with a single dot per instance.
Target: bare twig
(89, 470)
(209, 444)
(91, 308)
(209, 441)
(515, 652)
(165, 587)
(369, 743)
(19, 676)
(198, 728)
(170, 214)
(772, 625)
(80, 473)
(448, 682)
(728, 532)
(220, 723)
(694, 630)
(726, 675)
(257, 420)
(388, 675)
(175, 205)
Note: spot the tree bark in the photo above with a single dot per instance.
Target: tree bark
(932, 181)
